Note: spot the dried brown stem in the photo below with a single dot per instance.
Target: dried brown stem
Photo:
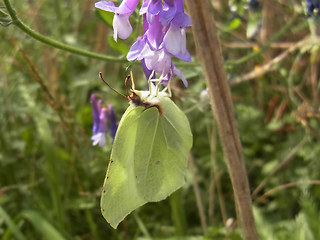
(209, 51)
(237, 45)
(271, 65)
(197, 193)
(285, 186)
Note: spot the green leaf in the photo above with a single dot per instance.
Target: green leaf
(119, 46)
(11, 224)
(48, 231)
(5, 20)
(149, 157)
(106, 16)
(235, 23)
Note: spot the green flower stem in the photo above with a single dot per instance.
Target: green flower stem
(177, 213)
(54, 43)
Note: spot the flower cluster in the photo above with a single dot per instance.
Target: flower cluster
(101, 116)
(313, 7)
(164, 36)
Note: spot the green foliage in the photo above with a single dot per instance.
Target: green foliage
(304, 226)
(234, 24)
(5, 20)
(42, 225)
(106, 16)
(12, 227)
(118, 46)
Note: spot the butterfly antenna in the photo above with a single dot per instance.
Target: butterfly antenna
(126, 84)
(101, 77)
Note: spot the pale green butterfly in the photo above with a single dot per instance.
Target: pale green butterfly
(149, 154)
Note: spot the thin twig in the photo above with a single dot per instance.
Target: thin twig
(197, 193)
(282, 164)
(209, 51)
(215, 178)
(270, 66)
(266, 46)
(237, 45)
(212, 137)
(284, 186)
(314, 76)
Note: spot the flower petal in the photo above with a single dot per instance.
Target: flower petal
(146, 71)
(177, 72)
(103, 120)
(121, 26)
(155, 7)
(131, 4)
(168, 12)
(136, 49)
(112, 120)
(182, 20)
(154, 34)
(106, 6)
(99, 138)
(96, 104)
(175, 43)
(126, 6)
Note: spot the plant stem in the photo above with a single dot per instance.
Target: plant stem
(209, 51)
(178, 216)
(285, 186)
(54, 43)
(197, 194)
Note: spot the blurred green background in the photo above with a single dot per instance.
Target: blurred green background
(51, 175)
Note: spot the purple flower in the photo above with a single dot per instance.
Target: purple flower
(101, 116)
(113, 121)
(158, 44)
(175, 42)
(164, 35)
(121, 24)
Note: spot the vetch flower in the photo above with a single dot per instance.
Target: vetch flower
(101, 116)
(121, 24)
(151, 8)
(112, 120)
(175, 43)
(156, 47)
(164, 35)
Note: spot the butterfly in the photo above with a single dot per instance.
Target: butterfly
(149, 158)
